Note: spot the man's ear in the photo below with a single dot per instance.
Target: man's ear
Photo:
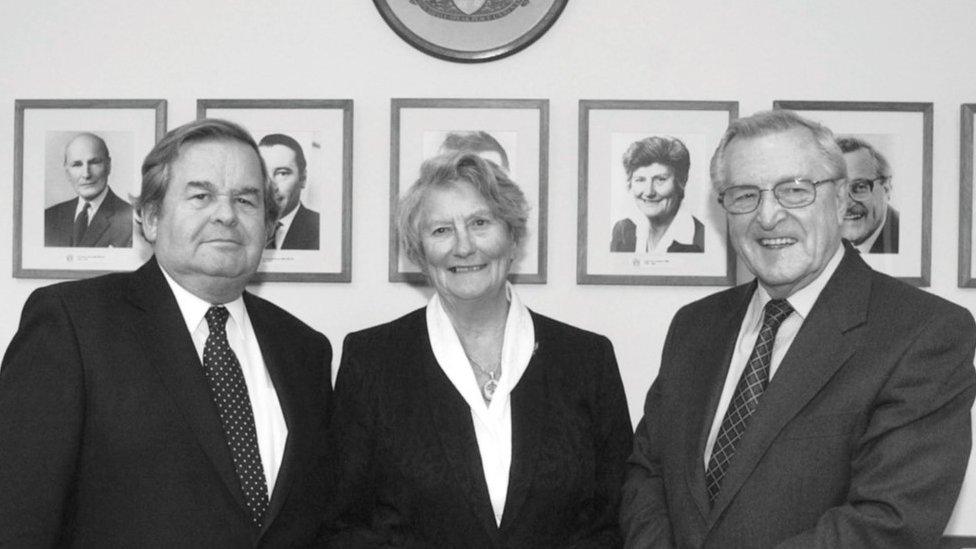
(149, 219)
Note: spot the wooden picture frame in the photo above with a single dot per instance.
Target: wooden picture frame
(616, 239)
(84, 156)
(966, 164)
(519, 127)
(896, 225)
(317, 241)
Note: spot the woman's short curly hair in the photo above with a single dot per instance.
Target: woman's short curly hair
(504, 197)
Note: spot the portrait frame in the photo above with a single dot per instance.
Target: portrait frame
(323, 130)
(609, 215)
(521, 128)
(902, 133)
(967, 112)
(504, 29)
(43, 128)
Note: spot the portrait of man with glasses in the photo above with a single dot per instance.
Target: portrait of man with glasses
(870, 223)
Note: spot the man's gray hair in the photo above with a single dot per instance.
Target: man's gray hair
(157, 166)
(766, 123)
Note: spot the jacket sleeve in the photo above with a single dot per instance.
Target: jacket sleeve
(350, 461)
(907, 468)
(41, 420)
(644, 518)
(612, 442)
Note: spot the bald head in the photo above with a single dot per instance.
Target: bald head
(87, 165)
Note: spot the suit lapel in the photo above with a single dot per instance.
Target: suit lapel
(529, 409)
(807, 367)
(455, 429)
(170, 350)
(709, 368)
(277, 349)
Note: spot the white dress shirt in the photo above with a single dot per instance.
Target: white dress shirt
(94, 203)
(681, 230)
(492, 422)
(802, 302)
(269, 421)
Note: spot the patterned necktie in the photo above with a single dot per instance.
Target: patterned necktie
(229, 393)
(745, 399)
(81, 225)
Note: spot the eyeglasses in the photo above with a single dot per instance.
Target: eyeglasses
(860, 189)
(792, 193)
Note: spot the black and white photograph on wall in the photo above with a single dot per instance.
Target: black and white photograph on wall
(647, 211)
(511, 133)
(966, 200)
(306, 145)
(77, 170)
(888, 151)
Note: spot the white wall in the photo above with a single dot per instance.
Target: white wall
(749, 51)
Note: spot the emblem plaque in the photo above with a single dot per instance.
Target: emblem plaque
(470, 30)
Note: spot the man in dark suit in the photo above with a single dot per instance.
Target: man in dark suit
(97, 218)
(822, 405)
(298, 226)
(870, 223)
(168, 407)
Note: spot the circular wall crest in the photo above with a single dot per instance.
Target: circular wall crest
(470, 30)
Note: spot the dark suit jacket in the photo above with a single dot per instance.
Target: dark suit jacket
(303, 233)
(110, 436)
(111, 226)
(407, 464)
(624, 238)
(860, 440)
(887, 242)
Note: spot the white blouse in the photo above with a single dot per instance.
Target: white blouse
(492, 422)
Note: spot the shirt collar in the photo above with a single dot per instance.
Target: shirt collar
(517, 349)
(803, 299)
(681, 230)
(95, 203)
(195, 309)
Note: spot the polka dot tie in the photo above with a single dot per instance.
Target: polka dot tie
(229, 392)
(745, 399)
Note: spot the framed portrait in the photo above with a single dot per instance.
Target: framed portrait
(647, 212)
(966, 167)
(470, 31)
(513, 133)
(888, 150)
(77, 169)
(306, 145)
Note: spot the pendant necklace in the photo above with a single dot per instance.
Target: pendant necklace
(488, 387)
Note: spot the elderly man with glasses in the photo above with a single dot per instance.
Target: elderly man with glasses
(870, 223)
(822, 404)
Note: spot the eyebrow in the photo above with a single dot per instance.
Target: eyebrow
(481, 212)
(210, 187)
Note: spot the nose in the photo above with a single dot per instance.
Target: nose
(223, 210)
(463, 247)
(770, 212)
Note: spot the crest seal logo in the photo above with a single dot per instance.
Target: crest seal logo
(469, 11)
